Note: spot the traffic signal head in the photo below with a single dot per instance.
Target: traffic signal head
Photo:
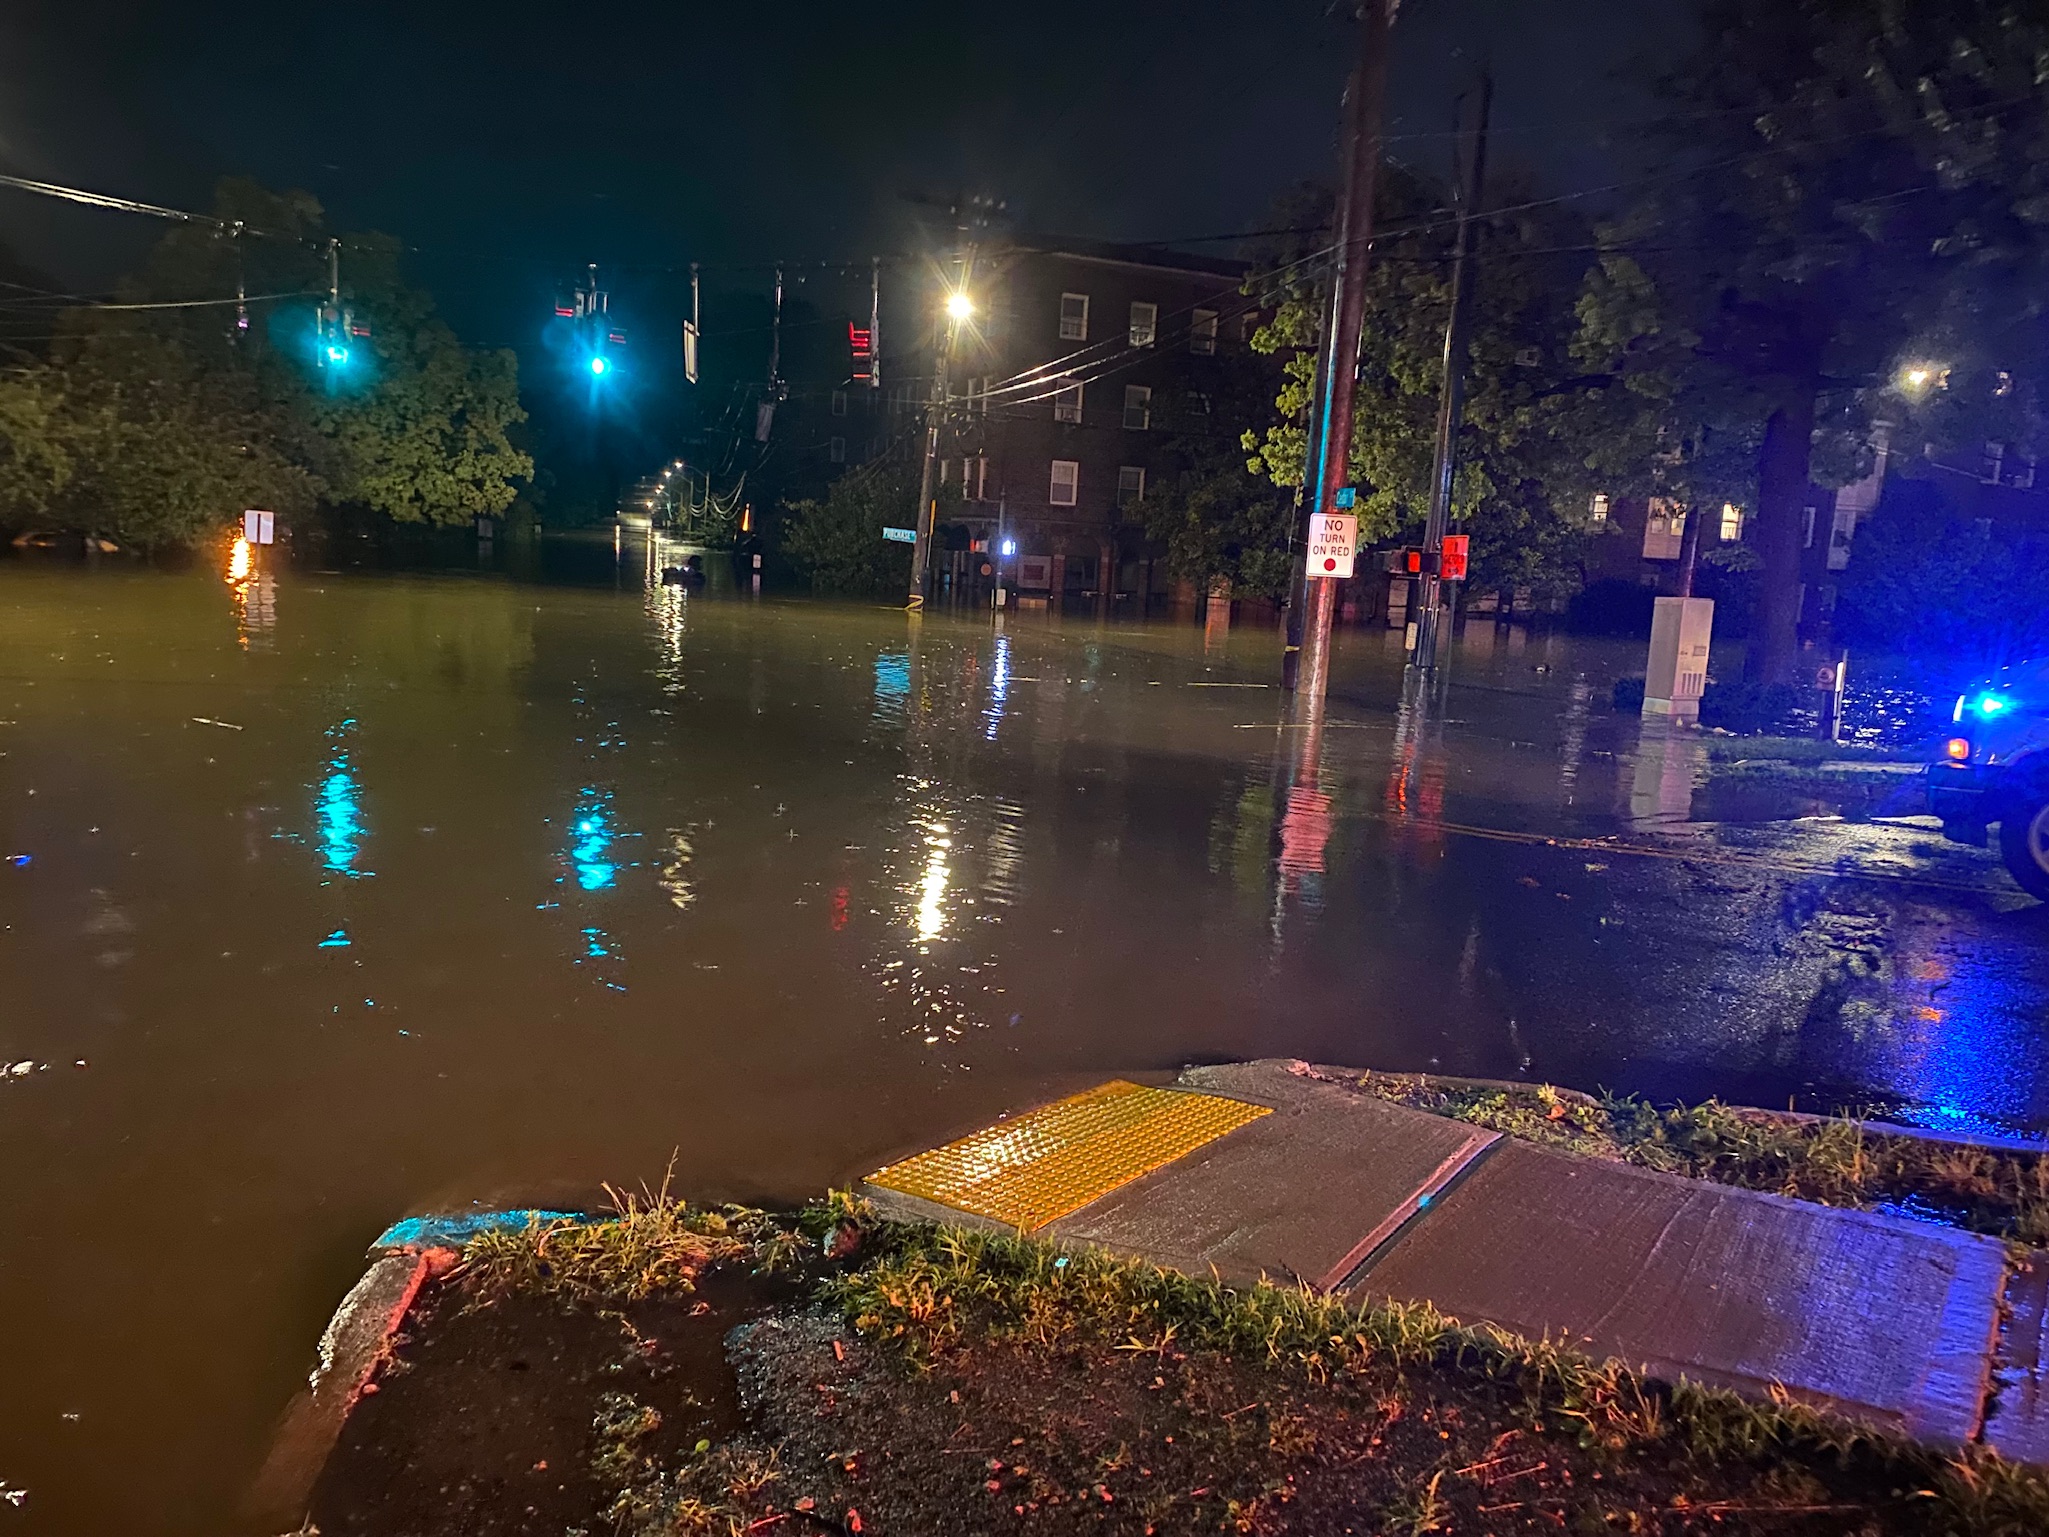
(600, 367)
(337, 354)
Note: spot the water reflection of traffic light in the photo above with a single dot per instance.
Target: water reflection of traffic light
(338, 808)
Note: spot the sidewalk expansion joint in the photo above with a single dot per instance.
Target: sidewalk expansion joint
(1377, 1245)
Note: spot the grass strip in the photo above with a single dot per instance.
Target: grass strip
(933, 1290)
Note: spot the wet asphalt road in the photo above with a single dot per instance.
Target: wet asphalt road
(343, 897)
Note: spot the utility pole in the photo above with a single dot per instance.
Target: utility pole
(1332, 427)
(1452, 392)
(935, 414)
(958, 308)
(775, 334)
(875, 323)
(693, 329)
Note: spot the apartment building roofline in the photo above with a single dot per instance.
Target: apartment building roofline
(1146, 257)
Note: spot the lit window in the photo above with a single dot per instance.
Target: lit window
(1067, 404)
(1138, 407)
(1202, 333)
(1664, 526)
(1732, 522)
(1130, 484)
(839, 402)
(1066, 482)
(1074, 317)
(1145, 323)
(839, 450)
(978, 482)
(1597, 510)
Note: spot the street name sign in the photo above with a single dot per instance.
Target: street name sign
(1333, 541)
(900, 535)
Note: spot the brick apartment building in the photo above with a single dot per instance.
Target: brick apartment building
(1081, 357)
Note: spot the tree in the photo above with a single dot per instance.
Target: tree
(426, 439)
(159, 425)
(1929, 582)
(1866, 186)
(1213, 518)
(836, 542)
(1527, 456)
(1224, 524)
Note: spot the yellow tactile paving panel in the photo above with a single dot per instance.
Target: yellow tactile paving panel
(1046, 1163)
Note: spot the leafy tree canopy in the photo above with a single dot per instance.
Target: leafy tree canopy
(159, 425)
(836, 542)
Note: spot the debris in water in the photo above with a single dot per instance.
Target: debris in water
(19, 860)
(205, 720)
(15, 1497)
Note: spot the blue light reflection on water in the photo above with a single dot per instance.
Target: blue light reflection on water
(338, 808)
(1964, 1051)
(590, 839)
(892, 685)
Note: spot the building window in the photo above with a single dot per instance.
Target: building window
(839, 402)
(1732, 522)
(1130, 484)
(1664, 526)
(1145, 323)
(975, 478)
(1066, 482)
(1138, 407)
(899, 399)
(1074, 317)
(1202, 333)
(1807, 531)
(839, 450)
(1067, 404)
(978, 396)
(1597, 510)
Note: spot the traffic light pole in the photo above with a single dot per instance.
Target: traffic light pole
(1332, 430)
(1452, 393)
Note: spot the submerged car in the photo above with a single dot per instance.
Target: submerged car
(1995, 770)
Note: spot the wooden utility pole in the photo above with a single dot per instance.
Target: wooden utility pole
(1451, 399)
(958, 307)
(1331, 429)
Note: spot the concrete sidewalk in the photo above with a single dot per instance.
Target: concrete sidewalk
(1893, 1322)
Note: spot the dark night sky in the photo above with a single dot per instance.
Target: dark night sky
(512, 140)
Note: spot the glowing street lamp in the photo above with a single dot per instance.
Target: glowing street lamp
(1919, 378)
(959, 306)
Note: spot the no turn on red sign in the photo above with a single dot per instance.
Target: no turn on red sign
(1333, 541)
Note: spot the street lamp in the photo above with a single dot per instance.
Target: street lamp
(1919, 378)
(959, 306)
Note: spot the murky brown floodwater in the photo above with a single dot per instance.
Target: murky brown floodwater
(334, 898)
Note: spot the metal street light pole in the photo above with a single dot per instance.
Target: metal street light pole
(1332, 430)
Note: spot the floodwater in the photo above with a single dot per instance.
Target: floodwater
(331, 898)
